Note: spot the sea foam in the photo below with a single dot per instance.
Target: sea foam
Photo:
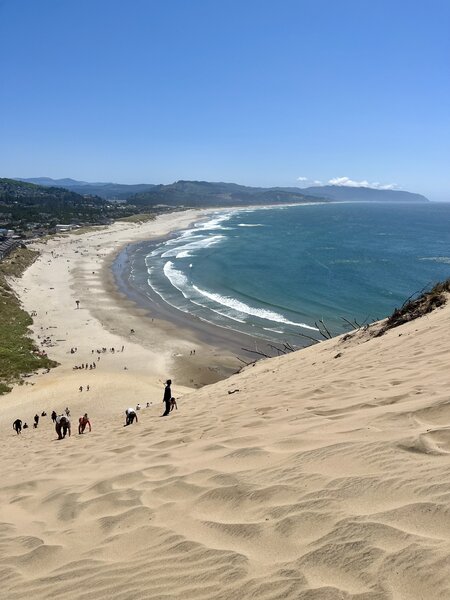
(241, 307)
(198, 243)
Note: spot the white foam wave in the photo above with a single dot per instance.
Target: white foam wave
(250, 225)
(439, 259)
(198, 243)
(176, 278)
(241, 307)
(214, 223)
(183, 254)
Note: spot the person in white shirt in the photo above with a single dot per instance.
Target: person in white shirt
(62, 426)
(130, 415)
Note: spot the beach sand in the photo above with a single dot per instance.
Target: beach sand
(78, 267)
(320, 475)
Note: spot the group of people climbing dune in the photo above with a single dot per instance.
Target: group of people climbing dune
(63, 425)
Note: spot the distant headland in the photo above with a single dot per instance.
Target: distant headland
(205, 193)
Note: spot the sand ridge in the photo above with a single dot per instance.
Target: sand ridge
(321, 478)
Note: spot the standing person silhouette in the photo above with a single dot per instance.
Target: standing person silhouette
(167, 397)
(17, 426)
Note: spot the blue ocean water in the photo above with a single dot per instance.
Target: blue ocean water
(274, 272)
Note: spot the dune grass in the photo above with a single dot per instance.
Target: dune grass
(139, 218)
(18, 352)
(418, 306)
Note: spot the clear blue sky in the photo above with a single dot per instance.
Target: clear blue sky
(253, 91)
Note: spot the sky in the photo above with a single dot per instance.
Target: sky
(258, 92)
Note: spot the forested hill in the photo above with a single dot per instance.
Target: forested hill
(20, 192)
(204, 193)
(23, 203)
(107, 191)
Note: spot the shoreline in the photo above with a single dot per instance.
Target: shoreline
(79, 267)
(156, 308)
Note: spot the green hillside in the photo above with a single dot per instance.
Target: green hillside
(23, 203)
(204, 193)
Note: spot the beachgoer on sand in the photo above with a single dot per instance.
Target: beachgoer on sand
(82, 422)
(62, 426)
(67, 411)
(167, 397)
(173, 404)
(17, 426)
(130, 415)
(54, 415)
(36, 421)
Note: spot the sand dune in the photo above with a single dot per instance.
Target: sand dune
(325, 475)
(322, 478)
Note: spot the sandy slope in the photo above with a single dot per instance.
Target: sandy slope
(77, 267)
(322, 478)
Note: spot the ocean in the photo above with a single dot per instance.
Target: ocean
(274, 272)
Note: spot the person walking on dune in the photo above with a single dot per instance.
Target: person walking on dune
(167, 397)
(36, 421)
(82, 422)
(17, 426)
(54, 415)
(62, 426)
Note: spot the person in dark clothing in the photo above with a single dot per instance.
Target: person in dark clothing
(82, 422)
(17, 426)
(167, 397)
(36, 421)
(130, 416)
(54, 415)
(62, 426)
(25, 426)
(43, 414)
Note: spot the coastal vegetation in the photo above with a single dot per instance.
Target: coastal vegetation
(19, 355)
(139, 218)
(27, 208)
(107, 191)
(205, 192)
(418, 306)
(30, 210)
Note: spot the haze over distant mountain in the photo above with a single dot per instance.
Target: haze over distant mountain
(205, 193)
(108, 191)
(362, 194)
